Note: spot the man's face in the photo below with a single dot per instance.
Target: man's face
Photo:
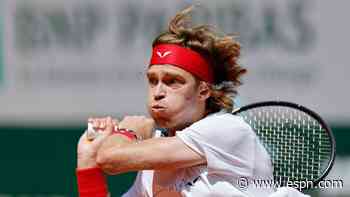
(173, 99)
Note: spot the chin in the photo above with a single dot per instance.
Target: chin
(161, 121)
(160, 116)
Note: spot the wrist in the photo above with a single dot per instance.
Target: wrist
(130, 134)
(91, 182)
(83, 163)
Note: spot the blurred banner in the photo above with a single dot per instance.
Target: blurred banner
(66, 60)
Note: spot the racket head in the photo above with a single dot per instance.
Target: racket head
(300, 143)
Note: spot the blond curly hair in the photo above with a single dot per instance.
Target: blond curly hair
(222, 52)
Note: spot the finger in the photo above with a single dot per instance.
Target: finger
(87, 136)
(91, 132)
(109, 126)
(102, 123)
(95, 123)
(115, 123)
(99, 122)
(99, 139)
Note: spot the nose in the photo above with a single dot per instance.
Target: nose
(159, 92)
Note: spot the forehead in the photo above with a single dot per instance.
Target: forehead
(167, 69)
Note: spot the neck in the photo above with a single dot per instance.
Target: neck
(172, 131)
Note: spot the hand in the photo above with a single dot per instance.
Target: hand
(140, 124)
(87, 149)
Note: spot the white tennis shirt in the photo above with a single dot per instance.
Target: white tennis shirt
(233, 152)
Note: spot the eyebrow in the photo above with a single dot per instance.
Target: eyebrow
(166, 73)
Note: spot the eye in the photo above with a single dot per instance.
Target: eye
(152, 81)
(173, 82)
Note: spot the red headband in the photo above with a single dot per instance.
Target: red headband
(184, 58)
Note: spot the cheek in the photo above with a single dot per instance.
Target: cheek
(180, 102)
(149, 96)
(148, 101)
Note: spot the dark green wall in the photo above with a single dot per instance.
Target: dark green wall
(42, 161)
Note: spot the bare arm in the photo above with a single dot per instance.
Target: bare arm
(119, 154)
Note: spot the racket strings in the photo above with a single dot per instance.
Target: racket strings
(298, 144)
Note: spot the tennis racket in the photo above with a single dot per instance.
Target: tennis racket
(300, 143)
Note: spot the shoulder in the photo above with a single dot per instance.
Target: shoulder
(221, 122)
(222, 129)
(226, 140)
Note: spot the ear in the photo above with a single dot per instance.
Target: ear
(203, 91)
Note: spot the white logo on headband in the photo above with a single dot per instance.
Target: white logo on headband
(164, 54)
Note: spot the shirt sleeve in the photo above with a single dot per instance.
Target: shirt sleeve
(142, 185)
(226, 141)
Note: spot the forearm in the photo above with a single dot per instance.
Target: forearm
(115, 141)
(163, 153)
(105, 153)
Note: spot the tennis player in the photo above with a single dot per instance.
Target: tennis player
(192, 77)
